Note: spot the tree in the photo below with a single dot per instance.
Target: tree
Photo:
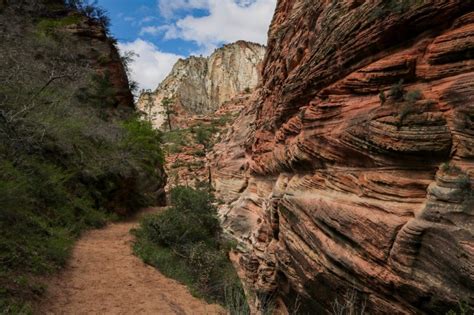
(127, 58)
(148, 103)
(167, 104)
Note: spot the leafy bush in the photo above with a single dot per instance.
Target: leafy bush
(185, 243)
(405, 101)
(393, 7)
(175, 140)
(413, 96)
(382, 97)
(397, 91)
(47, 26)
(450, 169)
(70, 160)
(200, 153)
(143, 141)
(203, 136)
(91, 10)
(462, 309)
(100, 93)
(203, 133)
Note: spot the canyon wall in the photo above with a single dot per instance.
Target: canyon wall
(348, 177)
(199, 85)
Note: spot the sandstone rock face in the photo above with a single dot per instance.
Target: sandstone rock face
(188, 158)
(200, 85)
(345, 184)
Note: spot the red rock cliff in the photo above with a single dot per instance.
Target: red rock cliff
(353, 177)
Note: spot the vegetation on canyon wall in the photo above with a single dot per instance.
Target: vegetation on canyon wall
(73, 153)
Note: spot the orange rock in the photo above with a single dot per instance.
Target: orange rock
(335, 190)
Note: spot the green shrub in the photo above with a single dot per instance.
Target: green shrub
(450, 169)
(236, 301)
(100, 93)
(382, 97)
(48, 26)
(405, 110)
(413, 96)
(397, 91)
(203, 134)
(191, 219)
(200, 153)
(393, 7)
(223, 120)
(175, 140)
(462, 309)
(185, 243)
(70, 160)
(91, 10)
(143, 141)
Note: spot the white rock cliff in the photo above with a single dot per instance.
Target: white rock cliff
(199, 85)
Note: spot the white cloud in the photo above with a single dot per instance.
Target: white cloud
(153, 30)
(151, 65)
(228, 21)
(169, 7)
(147, 19)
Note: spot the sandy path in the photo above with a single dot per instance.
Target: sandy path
(104, 277)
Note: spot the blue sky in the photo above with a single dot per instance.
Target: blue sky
(162, 31)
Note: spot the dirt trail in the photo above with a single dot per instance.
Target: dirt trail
(104, 277)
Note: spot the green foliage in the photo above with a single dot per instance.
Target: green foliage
(405, 101)
(168, 111)
(382, 97)
(185, 243)
(450, 169)
(461, 178)
(70, 160)
(127, 58)
(191, 219)
(401, 6)
(413, 96)
(394, 7)
(405, 110)
(462, 309)
(397, 91)
(200, 153)
(203, 136)
(236, 301)
(91, 10)
(100, 93)
(224, 120)
(175, 140)
(48, 26)
(143, 141)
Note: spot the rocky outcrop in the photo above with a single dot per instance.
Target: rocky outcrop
(53, 16)
(188, 150)
(349, 177)
(200, 85)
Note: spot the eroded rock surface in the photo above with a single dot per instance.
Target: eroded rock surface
(189, 149)
(200, 85)
(341, 180)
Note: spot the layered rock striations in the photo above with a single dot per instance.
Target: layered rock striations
(199, 85)
(348, 180)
